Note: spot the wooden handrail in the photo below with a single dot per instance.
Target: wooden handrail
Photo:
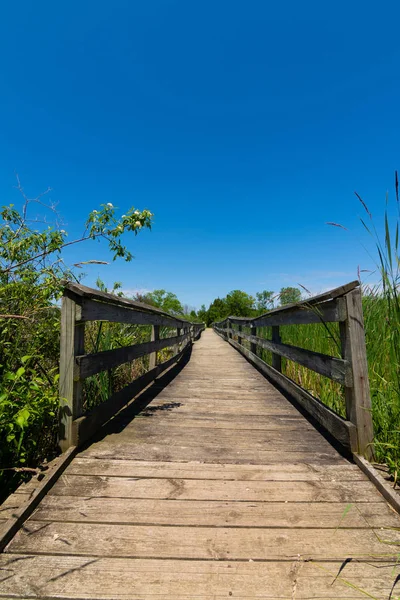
(81, 304)
(344, 306)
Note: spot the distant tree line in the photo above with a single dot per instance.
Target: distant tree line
(241, 304)
(237, 303)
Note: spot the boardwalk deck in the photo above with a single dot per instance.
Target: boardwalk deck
(218, 488)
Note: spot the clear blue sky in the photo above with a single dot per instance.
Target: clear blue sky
(244, 127)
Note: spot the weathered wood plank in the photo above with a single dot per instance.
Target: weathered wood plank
(90, 364)
(190, 478)
(276, 358)
(70, 388)
(79, 291)
(155, 336)
(330, 311)
(212, 543)
(187, 470)
(242, 423)
(289, 309)
(85, 427)
(91, 577)
(18, 517)
(93, 310)
(329, 366)
(200, 489)
(342, 430)
(211, 454)
(326, 515)
(387, 491)
(262, 441)
(358, 397)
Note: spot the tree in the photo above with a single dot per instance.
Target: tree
(217, 311)
(32, 271)
(264, 300)
(167, 301)
(239, 304)
(202, 313)
(289, 295)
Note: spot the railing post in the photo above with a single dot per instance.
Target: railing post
(253, 345)
(239, 338)
(358, 399)
(276, 358)
(155, 335)
(72, 340)
(228, 325)
(177, 346)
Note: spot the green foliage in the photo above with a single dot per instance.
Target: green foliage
(239, 304)
(218, 310)
(264, 301)
(289, 295)
(31, 274)
(236, 303)
(167, 301)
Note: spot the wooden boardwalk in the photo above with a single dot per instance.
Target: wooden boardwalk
(218, 488)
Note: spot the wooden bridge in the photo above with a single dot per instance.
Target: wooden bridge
(213, 483)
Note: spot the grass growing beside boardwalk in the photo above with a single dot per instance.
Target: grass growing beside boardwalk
(381, 308)
(383, 370)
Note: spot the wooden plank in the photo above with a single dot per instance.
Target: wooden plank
(86, 426)
(11, 504)
(326, 515)
(329, 366)
(211, 454)
(183, 403)
(90, 364)
(290, 309)
(215, 490)
(387, 491)
(228, 422)
(358, 397)
(342, 430)
(330, 311)
(155, 336)
(195, 470)
(81, 291)
(10, 527)
(91, 577)
(257, 441)
(276, 358)
(93, 310)
(209, 543)
(70, 388)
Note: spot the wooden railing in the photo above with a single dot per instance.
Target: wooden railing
(342, 305)
(81, 304)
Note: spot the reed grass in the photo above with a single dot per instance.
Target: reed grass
(381, 308)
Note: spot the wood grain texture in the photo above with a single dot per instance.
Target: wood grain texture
(326, 515)
(85, 427)
(193, 470)
(342, 430)
(70, 388)
(218, 488)
(90, 364)
(284, 314)
(207, 543)
(129, 578)
(358, 397)
(329, 366)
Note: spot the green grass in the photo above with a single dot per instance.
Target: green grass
(381, 329)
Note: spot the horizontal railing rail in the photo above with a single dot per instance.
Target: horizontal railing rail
(81, 305)
(341, 305)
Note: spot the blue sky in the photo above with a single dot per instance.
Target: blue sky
(243, 126)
